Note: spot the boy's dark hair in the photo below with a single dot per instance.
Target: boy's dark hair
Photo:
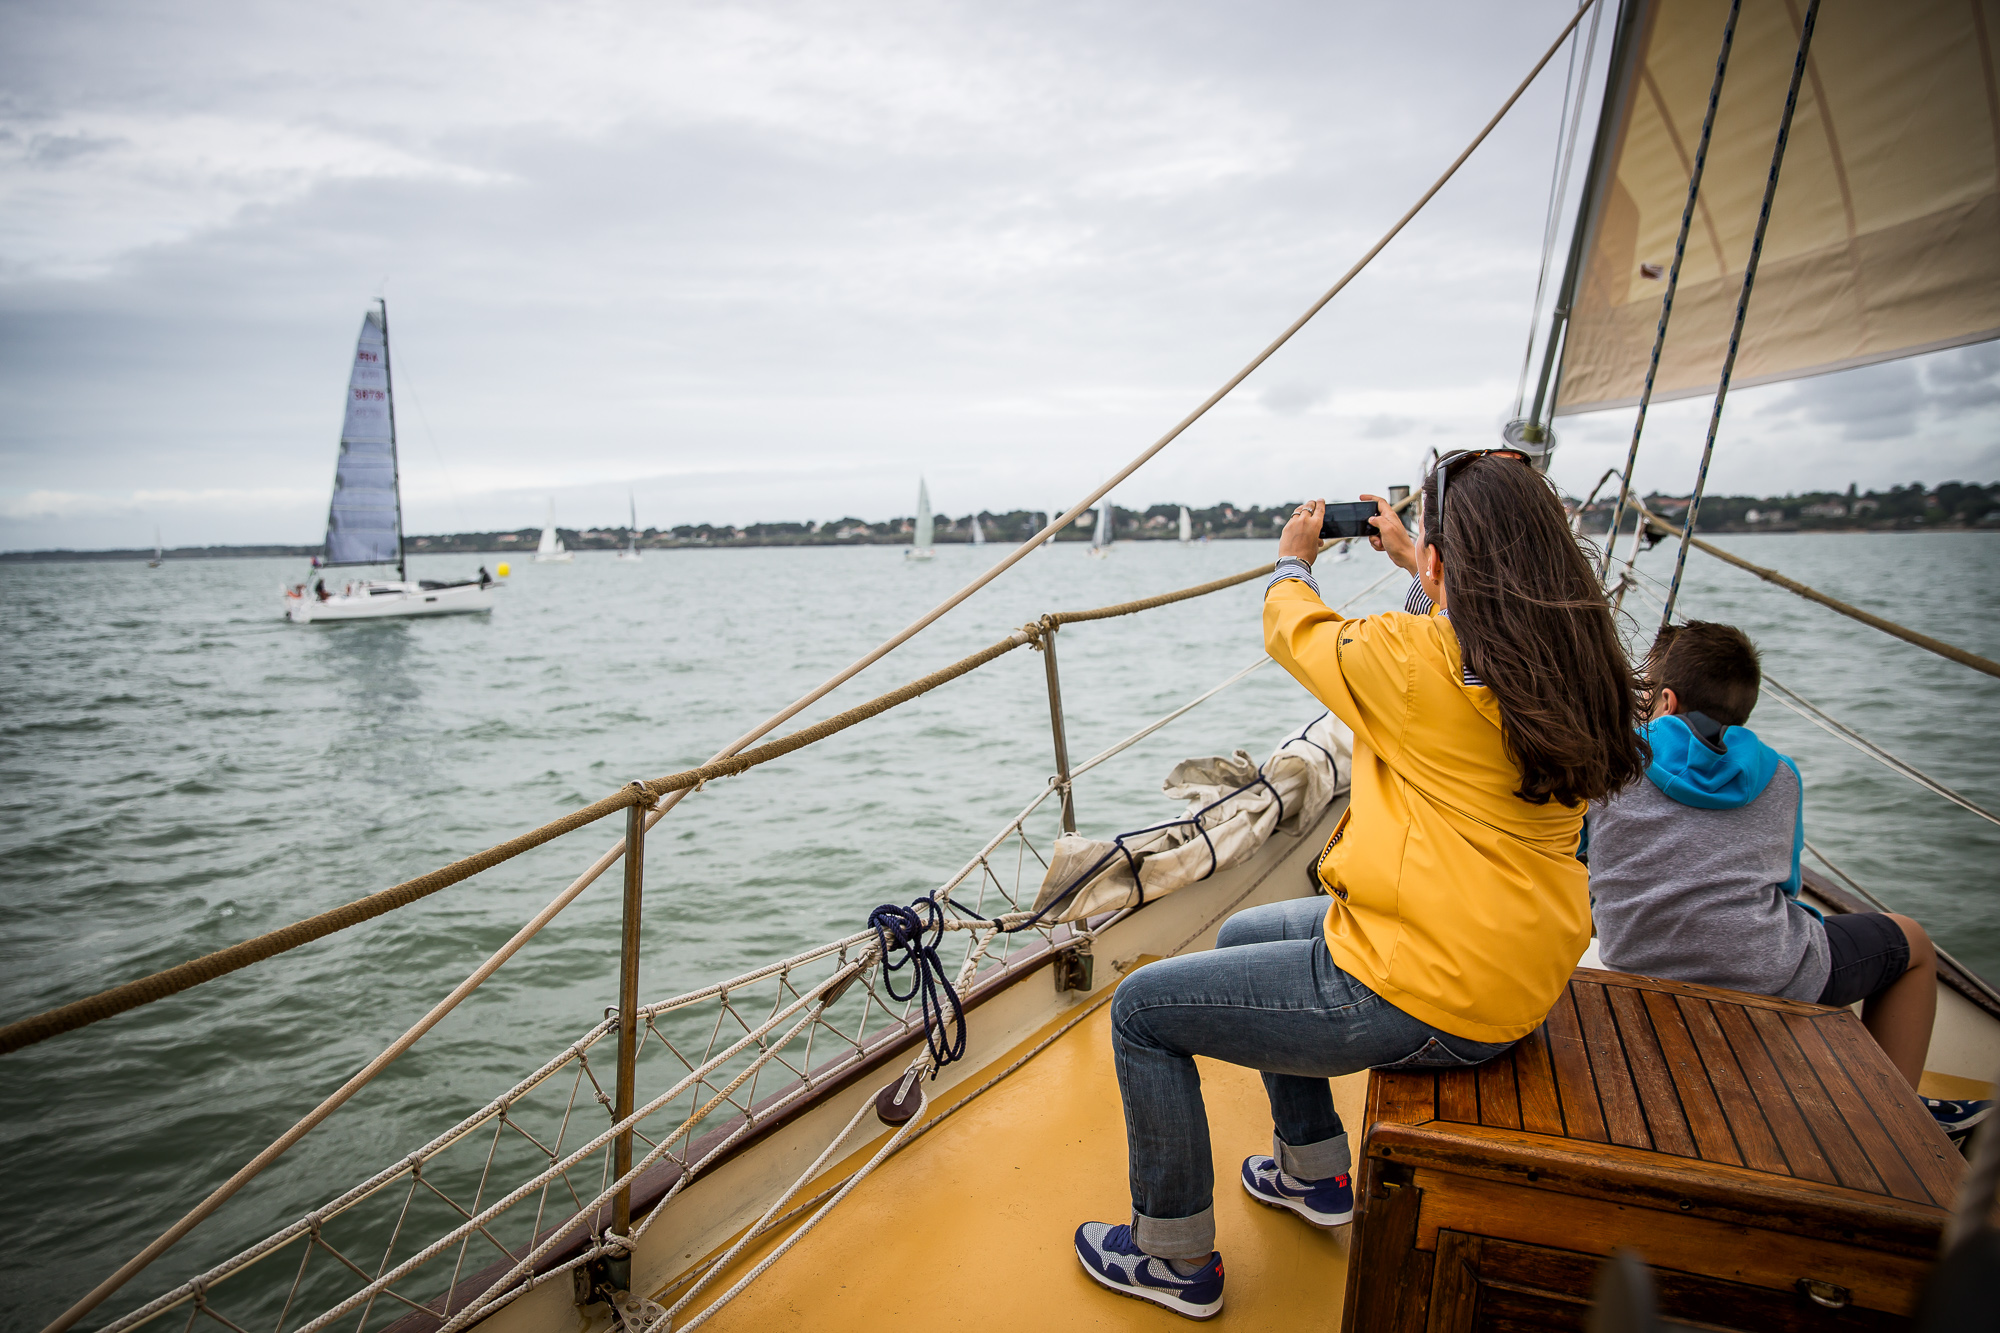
(1711, 669)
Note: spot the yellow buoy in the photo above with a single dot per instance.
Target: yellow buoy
(503, 569)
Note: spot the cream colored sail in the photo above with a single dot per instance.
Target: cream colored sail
(1884, 238)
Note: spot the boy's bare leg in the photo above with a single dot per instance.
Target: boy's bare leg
(1899, 1016)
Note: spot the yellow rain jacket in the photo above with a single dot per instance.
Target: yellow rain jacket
(1453, 899)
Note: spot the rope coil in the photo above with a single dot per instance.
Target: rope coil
(900, 942)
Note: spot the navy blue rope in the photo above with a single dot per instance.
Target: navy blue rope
(900, 936)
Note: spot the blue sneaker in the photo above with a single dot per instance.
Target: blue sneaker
(1109, 1255)
(1324, 1203)
(1957, 1119)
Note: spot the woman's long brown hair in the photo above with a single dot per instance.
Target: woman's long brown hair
(1533, 624)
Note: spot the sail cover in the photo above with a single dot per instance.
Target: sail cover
(364, 523)
(1884, 238)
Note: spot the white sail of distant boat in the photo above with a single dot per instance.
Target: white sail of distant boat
(920, 549)
(1100, 540)
(1187, 527)
(1047, 519)
(978, 533)
(364, 521)
(551, 551)
(159, 552)
(631, 551)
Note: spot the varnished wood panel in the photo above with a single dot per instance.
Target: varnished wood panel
(1541, 1102)
(1583, 1117)
(1658, 1101)
(1499, 1100)
(1747, 1125)
(1681, 1057)
(1850, 1165)
(1624, 1121)
(1771, 1259)
(1795, 1140)
(1937, 1164)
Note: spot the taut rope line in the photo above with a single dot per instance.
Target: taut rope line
(1903, 632)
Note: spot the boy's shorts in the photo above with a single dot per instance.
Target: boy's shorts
(1867, 952)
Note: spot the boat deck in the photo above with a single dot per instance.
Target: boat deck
(975, 1219)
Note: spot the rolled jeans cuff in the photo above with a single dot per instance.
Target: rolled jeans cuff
(1313, 1161)
(1189, 1239)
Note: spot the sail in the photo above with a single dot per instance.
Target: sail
(924, 524)
(978, 533)
(632, 531)
(550, 543)
(1187, 526)
(1102, 537)
(364, 523)
(1884, 238)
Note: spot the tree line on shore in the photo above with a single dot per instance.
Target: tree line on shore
(1953, 505)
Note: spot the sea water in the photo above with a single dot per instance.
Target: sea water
(183, 770)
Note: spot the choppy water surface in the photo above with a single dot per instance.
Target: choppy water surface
(182, 770)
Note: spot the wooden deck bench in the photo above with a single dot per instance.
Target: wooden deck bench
(1762, 1155)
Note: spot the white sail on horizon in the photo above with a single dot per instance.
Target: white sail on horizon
(551, 547)
(978, 533)
(1101, 539)
(925, 524)
(631, 551)
(1187, 526)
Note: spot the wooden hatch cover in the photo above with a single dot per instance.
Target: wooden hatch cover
(1762, 1155)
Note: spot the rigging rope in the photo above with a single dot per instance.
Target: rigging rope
(1673, 282)
(1869, 618)
(1841, 731)
(1742, 303)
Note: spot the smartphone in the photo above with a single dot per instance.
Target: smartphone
(1348, 519)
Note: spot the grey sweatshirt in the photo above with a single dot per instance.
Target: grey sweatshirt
(1697, 894)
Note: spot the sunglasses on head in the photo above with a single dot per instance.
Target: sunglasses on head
(1445, 463)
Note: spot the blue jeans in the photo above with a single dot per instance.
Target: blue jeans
(1268, 996)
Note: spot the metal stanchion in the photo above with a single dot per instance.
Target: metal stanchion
(628, 1006)
(1049, 627)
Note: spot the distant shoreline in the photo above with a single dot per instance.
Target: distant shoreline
(526, 554)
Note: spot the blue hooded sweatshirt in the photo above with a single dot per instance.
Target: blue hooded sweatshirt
(1694, 873)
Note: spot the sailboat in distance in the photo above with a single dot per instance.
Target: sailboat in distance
(159, 552)
(1100, 540)
(551, 551)
(631, 551)
(364, 521)
(978, 533)
(920, 548)
(1187, 527)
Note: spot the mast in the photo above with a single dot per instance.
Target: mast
(395, 464)
(1618, 87)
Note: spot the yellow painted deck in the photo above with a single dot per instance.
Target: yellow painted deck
(970, 1226)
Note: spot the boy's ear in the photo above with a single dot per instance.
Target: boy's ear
(1668, 703)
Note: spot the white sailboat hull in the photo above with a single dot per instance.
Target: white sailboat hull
(387, 601)
(919, 555)
(554, 557)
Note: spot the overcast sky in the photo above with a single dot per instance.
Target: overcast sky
(767, 261)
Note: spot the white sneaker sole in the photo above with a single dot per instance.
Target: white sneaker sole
(1324, 1221)
(1163, 1299)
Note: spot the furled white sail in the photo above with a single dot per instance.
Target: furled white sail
(1234, 806)
(924, 521)
(631, 551)
(364, 524)
(1187, 526)
(1102, 537)
(978, 534)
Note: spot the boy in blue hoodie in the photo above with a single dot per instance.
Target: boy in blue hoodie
(1694, 873)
